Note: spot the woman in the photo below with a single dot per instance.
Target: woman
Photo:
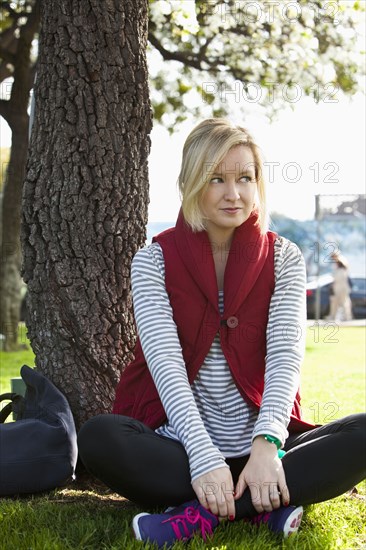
(341, 289)
(210, 402)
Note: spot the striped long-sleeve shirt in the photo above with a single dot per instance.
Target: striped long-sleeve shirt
(210, 417)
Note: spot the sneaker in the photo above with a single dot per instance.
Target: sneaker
(284, 520)
(180, 523)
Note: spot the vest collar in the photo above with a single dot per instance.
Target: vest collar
(247, 256)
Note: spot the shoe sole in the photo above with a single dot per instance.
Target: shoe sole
(292, 523)
(135, 525)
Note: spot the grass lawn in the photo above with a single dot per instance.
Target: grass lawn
(92, 518)
(333, 373)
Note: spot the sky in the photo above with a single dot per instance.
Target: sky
(313, 149)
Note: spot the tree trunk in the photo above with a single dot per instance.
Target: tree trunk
(10, 280)
(14, 111)
(86, 194)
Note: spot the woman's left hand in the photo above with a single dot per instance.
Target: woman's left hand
(265, 477)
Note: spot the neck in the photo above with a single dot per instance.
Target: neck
(220, 241)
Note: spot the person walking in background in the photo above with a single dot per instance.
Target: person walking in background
(207, 421)
(340, 301)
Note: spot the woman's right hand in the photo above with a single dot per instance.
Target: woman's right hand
(215, 491)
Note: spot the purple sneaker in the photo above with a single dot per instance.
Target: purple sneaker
(180, 523)
(284, 520)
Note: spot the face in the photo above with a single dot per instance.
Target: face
(229, 198)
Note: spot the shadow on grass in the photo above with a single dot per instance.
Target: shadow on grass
(85, 490)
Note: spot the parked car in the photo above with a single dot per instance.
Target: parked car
(358, 296)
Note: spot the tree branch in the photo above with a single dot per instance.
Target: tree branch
(9, 43)
(7, 6)
(5, 109)
(5, 72)
(203, 49)
(8, 39)
(28, 30)
(185, 58)
(13, 14)
(7, 56)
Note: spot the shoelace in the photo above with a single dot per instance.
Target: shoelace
(192, 516)
(261, 518)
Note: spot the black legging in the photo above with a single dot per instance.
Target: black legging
(153, 470)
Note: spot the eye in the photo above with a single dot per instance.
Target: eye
(246, 179)
(216, 179)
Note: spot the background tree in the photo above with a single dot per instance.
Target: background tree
(263, 53)
(19, 27)
(86, 191)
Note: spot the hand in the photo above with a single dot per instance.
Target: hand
(265, 477)
(215, 491)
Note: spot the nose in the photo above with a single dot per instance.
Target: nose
(231, 191)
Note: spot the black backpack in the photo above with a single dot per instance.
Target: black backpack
(38, 451)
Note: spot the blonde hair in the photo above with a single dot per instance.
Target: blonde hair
(204, 149)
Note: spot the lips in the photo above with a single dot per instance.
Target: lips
(231, 210)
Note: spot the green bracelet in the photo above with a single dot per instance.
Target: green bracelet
(274, 440)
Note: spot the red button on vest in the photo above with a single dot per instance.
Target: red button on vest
(232, 322)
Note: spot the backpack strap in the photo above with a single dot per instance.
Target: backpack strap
(13, 398)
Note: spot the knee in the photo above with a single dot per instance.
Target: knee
(361, 424)
(90, 437)
(358, 422)
(355, 424)
(104, 434)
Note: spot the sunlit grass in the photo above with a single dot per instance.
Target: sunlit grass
(333, 373)
(11, 363)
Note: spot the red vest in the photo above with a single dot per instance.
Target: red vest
(191, 284)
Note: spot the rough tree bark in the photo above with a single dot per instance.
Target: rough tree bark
(14, 110)
(86, 194)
